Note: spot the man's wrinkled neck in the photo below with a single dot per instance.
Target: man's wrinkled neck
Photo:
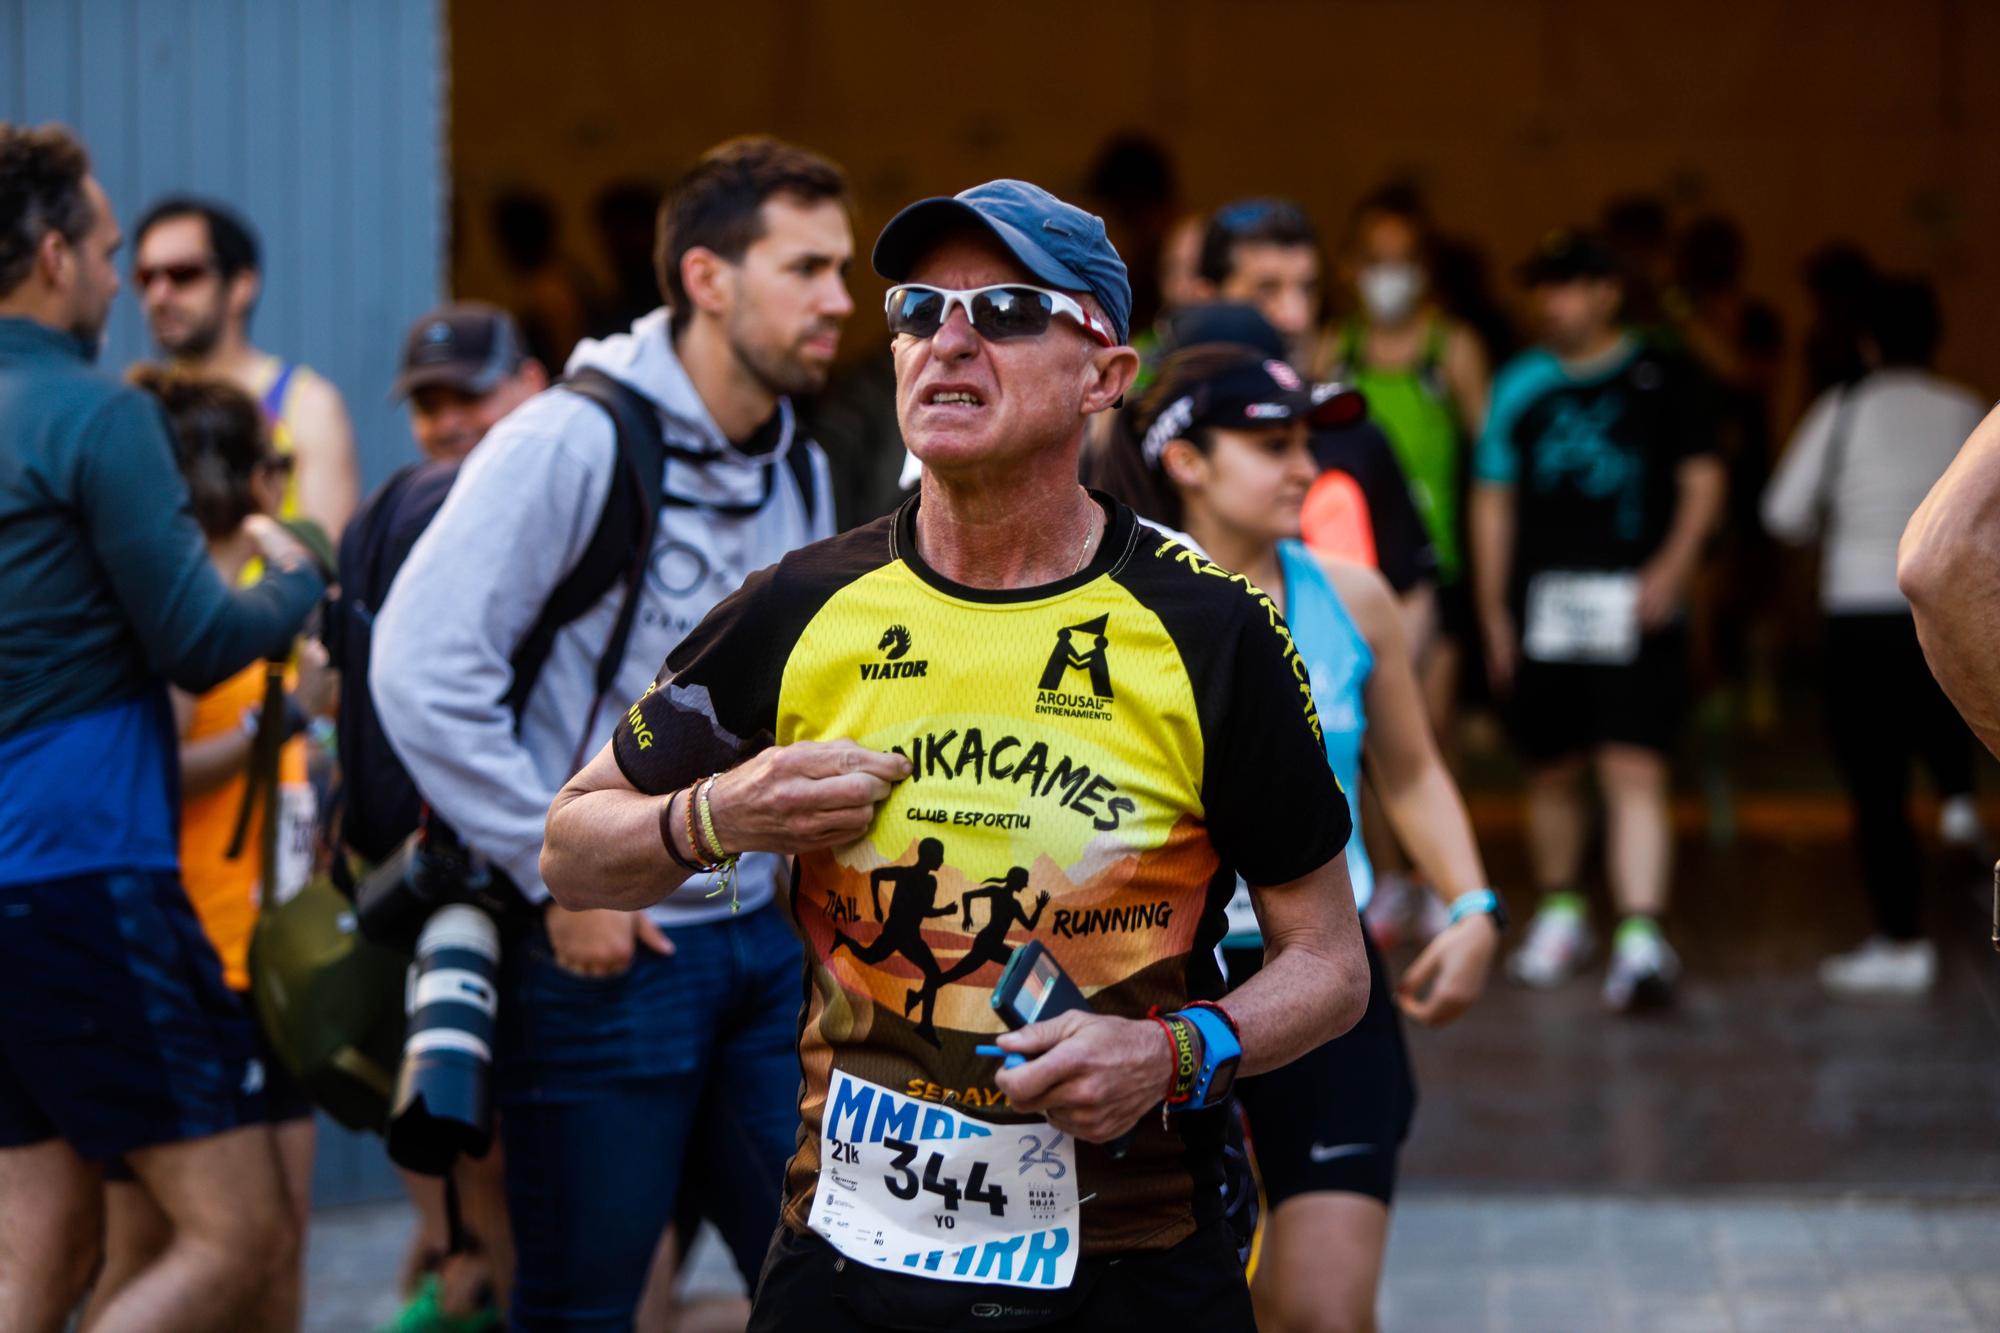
(1015, 525)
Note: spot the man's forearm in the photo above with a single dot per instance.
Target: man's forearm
(603, 849)
(1702, 485)
(1309, 991)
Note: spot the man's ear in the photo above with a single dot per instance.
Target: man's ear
(243, 290)
(705, 278)
(1111, 372)
(56, 258)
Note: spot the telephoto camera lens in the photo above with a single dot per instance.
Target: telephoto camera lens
(444, 1091)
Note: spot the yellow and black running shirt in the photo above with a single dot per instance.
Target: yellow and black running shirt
(1094, 761)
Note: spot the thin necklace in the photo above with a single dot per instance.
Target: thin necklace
(1089, 530)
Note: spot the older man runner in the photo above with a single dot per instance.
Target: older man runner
(1016, 668)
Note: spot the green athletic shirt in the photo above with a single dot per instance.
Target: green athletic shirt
(1413, 408)
(1095, 760)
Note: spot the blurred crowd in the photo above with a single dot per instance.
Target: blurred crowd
(1574, 469)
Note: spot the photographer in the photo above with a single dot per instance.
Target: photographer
(613, 1043)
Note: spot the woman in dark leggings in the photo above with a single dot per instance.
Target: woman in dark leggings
(1861, 461)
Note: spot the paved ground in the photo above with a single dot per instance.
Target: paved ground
(1511, 1264)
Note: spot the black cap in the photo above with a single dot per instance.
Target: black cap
(1254, 391)
(468, 346)
(1567, 255)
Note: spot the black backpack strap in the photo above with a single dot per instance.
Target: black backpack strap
(799, 458)
(619, 548)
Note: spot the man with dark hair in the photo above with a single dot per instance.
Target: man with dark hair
(1596, 486)
(1265, 252)
(464, 367)
(121, 1038)
(613, 1057)
(198, 272)
(1011, 677)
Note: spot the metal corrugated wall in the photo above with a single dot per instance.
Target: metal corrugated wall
(323, 122)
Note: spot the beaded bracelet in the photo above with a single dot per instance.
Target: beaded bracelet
(667, 836)
(694, 830)
(712, 840)
(725, 860)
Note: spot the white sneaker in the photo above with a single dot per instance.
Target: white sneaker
(1958, 822)
(1558, 944)
(1644, 969)
(1881, 967)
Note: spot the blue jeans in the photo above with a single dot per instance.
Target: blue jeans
(609, 1087)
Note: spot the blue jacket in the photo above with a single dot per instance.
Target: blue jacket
(105, 591)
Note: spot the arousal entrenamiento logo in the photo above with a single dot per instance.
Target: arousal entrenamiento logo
(893, 645)
(1079, 649)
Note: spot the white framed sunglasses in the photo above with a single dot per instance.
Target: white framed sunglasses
(997, 313)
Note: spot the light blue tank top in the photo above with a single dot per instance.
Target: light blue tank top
(1338, 664)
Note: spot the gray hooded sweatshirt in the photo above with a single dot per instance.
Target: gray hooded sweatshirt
(514, 525)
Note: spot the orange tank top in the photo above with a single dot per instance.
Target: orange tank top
(225, 891)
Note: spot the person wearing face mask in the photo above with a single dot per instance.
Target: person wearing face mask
(1425, 378)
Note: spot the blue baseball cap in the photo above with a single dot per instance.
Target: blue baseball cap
(1061, 244)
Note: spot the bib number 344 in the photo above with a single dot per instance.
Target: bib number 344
(916, 1187)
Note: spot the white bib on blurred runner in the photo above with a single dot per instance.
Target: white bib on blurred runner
(912, 1186)
(1582, 617)
(298, 826)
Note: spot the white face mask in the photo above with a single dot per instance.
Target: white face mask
(1390, 291)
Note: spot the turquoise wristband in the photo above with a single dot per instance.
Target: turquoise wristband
(1479, 900)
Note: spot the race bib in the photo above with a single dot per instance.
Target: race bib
(1582, 617)
(298, 813)
(911, 1186)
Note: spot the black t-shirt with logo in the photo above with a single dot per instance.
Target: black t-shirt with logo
(1095, 760)
(1594, 458)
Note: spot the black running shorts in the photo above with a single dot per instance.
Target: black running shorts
(1561, 709)
(807, 1287)
(1333, 1120)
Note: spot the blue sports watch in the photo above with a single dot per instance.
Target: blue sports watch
(1220, 1054)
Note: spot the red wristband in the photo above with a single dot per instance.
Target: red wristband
(1173, 1055)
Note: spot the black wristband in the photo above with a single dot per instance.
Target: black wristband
(667, 834)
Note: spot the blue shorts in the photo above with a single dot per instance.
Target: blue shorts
(619, 1094)
(119, 1031)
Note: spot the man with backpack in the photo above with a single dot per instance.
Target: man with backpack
(464, 367)
(587, 534)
